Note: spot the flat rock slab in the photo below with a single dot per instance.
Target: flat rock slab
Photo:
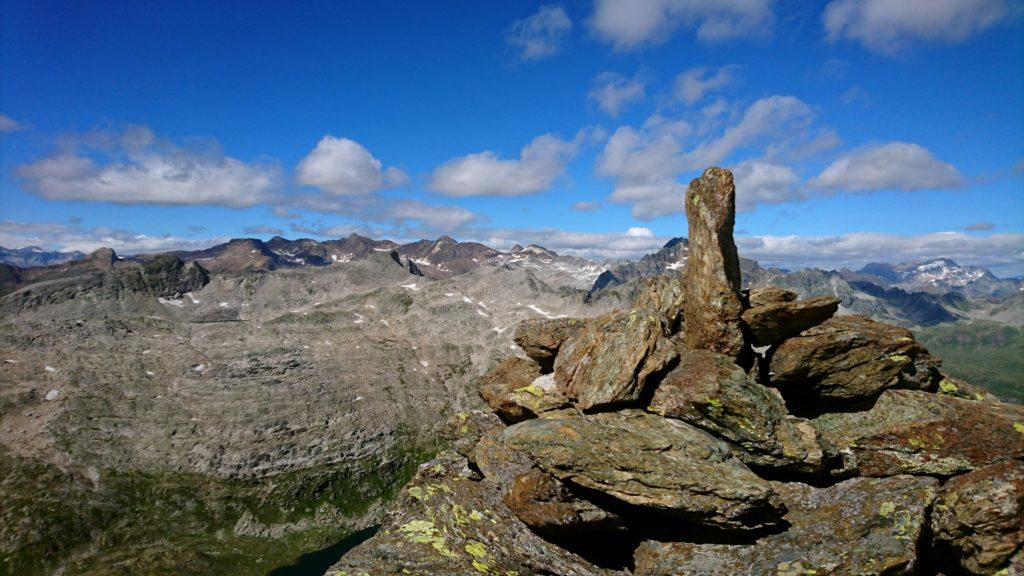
(864, 526)
(541, 338)
(712, 304)
(445, 524)
(516, 390)
(612, 361)
(978, 519)
(769, 295)
(776, 321)
(653, 463)
(851, 357)
(710, 391)
(912, 432)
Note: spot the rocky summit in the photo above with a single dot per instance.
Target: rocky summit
(714, 431)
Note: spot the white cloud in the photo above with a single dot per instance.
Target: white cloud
(612, 92)
(597, 245)
(540, 163)
(639, 232)
(541, 34)
(628, 24)
(8, 124)
(693, 84)
(891, 166)
(888, 27)
(780, 119)
(1004, 253)
(69, 237)
(585, 206)
(433, 216)
(759, 182)
(343, 167)
(134, 167)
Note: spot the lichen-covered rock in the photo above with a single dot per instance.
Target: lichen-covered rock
(912, 432)
(770, 323)
(851, 357)
(463, 430)
(540, 338)
(549, 507)
(711, 392)
(769, 295)
(978, 519)
(444, 524)
(949, 386)
(712, 302)
(612, 361)
(664, 294)
(652, 463)
(516, 391)
(861, 527)
(497, 462)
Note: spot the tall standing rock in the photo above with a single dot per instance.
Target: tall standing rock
(712, 304)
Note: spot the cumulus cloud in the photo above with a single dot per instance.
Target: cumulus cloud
(782, 120)
(8, 124)
(888, 27)
(759, 182)
(891, 166)
(343, 167)
(1003, 253)
(69, 237)
(627, 24)
(540, 163)
(612, 92)
(585, 206)
(541, 34)
(133, 166)
(693, 84)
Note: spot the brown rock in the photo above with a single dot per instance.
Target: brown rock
(978, 520)
(911, 432)
(612, 361)
(541, 338)
(769, 295)
(710, 391)
(712, 301)
(777, 321)
(664, 294)
(851, 357)
(547, 506)
(862, 527)
(465, 429)
(516, 391)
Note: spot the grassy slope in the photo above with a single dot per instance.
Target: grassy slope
(984, 353)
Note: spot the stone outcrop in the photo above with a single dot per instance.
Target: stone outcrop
(851, 358)
(612, 361)
(712, 302)
(652, 449)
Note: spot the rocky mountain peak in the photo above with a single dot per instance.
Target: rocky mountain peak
(632, 443)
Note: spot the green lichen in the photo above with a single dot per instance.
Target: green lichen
(1018, 427)
(948, 387)
(476, 549)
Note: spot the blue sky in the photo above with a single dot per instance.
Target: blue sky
(858, 130)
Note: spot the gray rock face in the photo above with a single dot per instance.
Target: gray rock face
(712, 302)
(652, 463)
(851, 357)
(664, 294)
(710, 391)
(912, 432)
(859, 527)
(612, 361)
(772, 322)
(978, 519)
(541, 338)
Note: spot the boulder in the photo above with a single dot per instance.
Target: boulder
(540, 338)
(864, 526)
(613, 360)
(463, 430)
(912, 432)
(549, 507)
(770, 323)
(516, 391)
(711, 301)
(851, 358)
(653, 464)
(769, 295)
(949, 386)
(710, 391)
(664, 294)
(978, 519)
(448, 525)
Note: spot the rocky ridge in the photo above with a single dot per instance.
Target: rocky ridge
(623, 445)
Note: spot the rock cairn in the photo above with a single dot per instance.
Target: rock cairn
(655, 441)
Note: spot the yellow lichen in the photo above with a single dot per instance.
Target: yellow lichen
(531, 389)
(424, 532)
(899, 358)
(481, 567)
(886, 509)
(416, 492)
(1018, 427)
(476, 549)
(947, 386)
